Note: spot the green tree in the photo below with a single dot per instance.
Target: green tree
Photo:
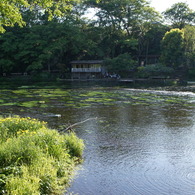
(123, 14)
(149, 41)
(8, 49)
(154, 70)
(10, 10)
(189, 44)
(120, 64)
(179, 15)
(46, 46)
(173, 48)
(122, 22)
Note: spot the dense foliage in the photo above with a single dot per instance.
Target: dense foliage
(173, 48)
(180, 15)
(35, 159)
(155, 70)
(10, 10)
(118, 28)
(121, 63)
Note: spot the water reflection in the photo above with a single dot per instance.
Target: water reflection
(175, 117)
(138, 149)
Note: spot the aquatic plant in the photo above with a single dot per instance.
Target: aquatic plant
(35, 159)
(41, 99)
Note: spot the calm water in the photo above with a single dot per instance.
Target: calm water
(137, 141)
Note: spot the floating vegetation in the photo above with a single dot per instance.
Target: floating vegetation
(29, 104)
(9, 104)
(30, 97)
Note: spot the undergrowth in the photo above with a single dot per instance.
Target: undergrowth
(35, 159)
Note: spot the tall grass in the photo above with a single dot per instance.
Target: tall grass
(35, 159)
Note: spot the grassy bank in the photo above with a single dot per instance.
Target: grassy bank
(35, 159)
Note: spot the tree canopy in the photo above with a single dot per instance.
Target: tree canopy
(189, 44)
(122, 63)
(124, 33)
(127, 15)
(10, 10)
(180, 15)
(173, 48)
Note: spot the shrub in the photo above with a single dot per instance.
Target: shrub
(123, 62)
(191, 74)
(35, 159)
(154, 70)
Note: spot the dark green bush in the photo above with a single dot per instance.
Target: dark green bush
(123, 62)
(154, 70)
(191, 74)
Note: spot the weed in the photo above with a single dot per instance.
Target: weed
(35, 159)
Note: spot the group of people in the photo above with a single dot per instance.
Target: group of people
(112, 75)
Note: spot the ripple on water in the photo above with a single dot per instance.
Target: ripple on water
(147, 150)
(175, 93)
(133, 169)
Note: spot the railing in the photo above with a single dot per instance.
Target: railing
(86, 69)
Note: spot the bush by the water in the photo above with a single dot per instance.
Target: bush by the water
(191, 74)
(154, 70)
(35, 159)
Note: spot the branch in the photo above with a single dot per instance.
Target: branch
(75, 124)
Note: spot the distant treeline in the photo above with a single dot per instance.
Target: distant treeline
(123, 33)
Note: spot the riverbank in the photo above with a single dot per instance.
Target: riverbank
(35, 159)
(152, 83)
(48, 80)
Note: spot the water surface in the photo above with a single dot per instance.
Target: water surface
(137, 141)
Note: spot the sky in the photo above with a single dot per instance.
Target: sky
(159, 5)
(162, 5)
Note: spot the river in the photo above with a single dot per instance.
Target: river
(138, 141)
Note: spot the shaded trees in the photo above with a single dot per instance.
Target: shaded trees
(126, 15)
(179, 15)
(124, 22)
(120, 64)
(41, 46)
(189, 44)
(150, 41)
(120, 28)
